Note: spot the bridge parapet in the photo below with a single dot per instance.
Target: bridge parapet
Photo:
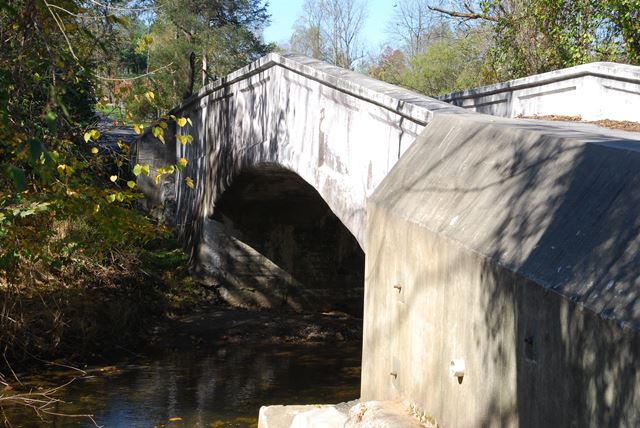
(339, 130)
(594, 91)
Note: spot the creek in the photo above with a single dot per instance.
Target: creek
(219, 386)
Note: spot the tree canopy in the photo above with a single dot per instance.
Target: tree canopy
(435, 46)
(66, 201)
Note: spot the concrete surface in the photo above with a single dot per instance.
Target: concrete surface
(370, 414)
(327, 417)
(282, 416)
(383, 414)
(599, 90)
(513, 246)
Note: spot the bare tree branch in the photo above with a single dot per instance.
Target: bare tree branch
(140, 76)
(464, 15)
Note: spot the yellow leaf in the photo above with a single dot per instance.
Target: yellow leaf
(181, 122)
(87, 137)
(94, 150)
(61, 168)
(189, 182)
(113, 178)
(95, 134)
(138, 128)
(182, 162)
(96, 208)
(175, 419)
(182, 139)
(68, 170)
(158, 133)
(131, 184)
(149, 96)
(157, 179)
(145, 170)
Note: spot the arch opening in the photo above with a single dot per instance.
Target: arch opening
(299, 250)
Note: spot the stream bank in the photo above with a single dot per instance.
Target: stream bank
(161, 346)
(213, 368)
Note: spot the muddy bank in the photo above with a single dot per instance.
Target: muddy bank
(219, 324)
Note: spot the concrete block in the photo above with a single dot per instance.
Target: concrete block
(324, 417)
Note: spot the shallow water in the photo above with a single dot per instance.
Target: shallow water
(222, 387)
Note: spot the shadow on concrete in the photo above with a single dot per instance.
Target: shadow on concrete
(537, 232)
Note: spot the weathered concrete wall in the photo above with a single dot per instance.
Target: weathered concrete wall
(515, 246)
(600, 90)
(339, 131)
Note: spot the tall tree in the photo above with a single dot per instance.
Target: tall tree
(414, 26)
(331, 30)
(224, 35)
(307, 37)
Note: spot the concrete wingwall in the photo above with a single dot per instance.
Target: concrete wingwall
(339, 131)
(514, 247)
(595, 91)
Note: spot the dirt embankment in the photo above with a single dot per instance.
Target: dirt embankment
(222, 324)
(623, 125)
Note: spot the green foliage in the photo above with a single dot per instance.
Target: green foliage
(455, 61)
(224, 34)
(390, 67)
(58, 210)
(451, 64)
(542, 35)
(69, 230)
(498, 40)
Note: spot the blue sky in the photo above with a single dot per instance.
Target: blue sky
(284, 14)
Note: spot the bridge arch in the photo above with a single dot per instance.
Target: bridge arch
(275, 242)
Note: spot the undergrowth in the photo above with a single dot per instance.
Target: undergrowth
(93, 310)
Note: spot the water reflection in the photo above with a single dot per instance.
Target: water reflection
(218, 388)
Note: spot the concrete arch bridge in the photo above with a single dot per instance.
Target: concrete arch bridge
(509, 244)
(297, 144)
